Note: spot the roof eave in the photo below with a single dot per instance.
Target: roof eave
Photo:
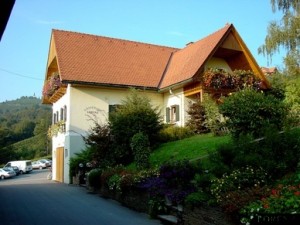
(175, 86)
(95, 84)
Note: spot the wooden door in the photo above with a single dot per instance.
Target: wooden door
(60, 164)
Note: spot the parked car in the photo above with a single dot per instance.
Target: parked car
(38, 165)
(13, 168)
(7, 173)
(46, 161)
(23, 165)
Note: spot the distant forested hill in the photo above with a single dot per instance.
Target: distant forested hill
(23, 129)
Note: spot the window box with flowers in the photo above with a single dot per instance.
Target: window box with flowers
(56, 128)
(52, 85)
(222, 79)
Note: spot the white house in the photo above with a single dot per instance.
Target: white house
(87, 75)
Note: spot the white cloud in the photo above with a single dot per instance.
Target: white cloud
(45, 22)
(175, 33)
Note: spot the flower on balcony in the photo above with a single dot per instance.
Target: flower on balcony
(222, 79)
(56, 128)
(51, 85)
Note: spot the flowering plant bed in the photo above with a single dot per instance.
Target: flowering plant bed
(282, 206)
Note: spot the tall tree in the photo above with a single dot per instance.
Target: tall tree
(285, 34)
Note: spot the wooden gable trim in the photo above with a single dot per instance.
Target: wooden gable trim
(58, 94)
(218, 45)
(252, 62)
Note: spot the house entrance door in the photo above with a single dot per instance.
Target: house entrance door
(60, 164)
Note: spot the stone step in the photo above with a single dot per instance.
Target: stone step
(169, 218)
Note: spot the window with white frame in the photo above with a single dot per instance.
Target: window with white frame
(172, 114)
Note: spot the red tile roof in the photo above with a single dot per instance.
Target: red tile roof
(269, 71)
(91, 59)
(102, 60)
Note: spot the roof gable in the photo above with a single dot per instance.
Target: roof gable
(186, 62)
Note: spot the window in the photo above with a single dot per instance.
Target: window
(54, 118)
(172, 114)
(57, 116)
(113, 108)
(65, 113)
(61, 113)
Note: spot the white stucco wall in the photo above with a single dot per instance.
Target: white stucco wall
(84, 107)
(218, 63)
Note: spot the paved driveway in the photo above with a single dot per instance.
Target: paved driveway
(31, 199)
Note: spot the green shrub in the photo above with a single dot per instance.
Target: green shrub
(214, 120)
(249, 112)
(134, 115)
(141, 150)
(94, 178)
(99, 142)
(278, 153)
(109, 172)
(114, 182)
(174, 133)
(83, 157)
(197, 117)
(197, 198)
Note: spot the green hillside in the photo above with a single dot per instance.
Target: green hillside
(23, 127)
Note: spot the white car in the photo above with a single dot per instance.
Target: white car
(7, 173)
(47, 162)
(23, 165)
(38, 165)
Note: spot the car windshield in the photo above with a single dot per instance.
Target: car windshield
(7, 169)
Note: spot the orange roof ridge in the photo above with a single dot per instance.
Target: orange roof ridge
(113, 38)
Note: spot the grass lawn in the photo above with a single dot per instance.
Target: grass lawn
(195, 147)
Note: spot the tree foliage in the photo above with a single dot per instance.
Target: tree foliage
(285, 34)
(292, 98)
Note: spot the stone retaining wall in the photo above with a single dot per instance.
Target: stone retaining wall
(206, 215)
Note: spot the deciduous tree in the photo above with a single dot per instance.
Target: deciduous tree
(285, 34)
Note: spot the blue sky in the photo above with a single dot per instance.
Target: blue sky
(25, 43)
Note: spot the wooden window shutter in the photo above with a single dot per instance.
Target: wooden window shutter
(167, 114)
(177, 112)
(110, 108)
